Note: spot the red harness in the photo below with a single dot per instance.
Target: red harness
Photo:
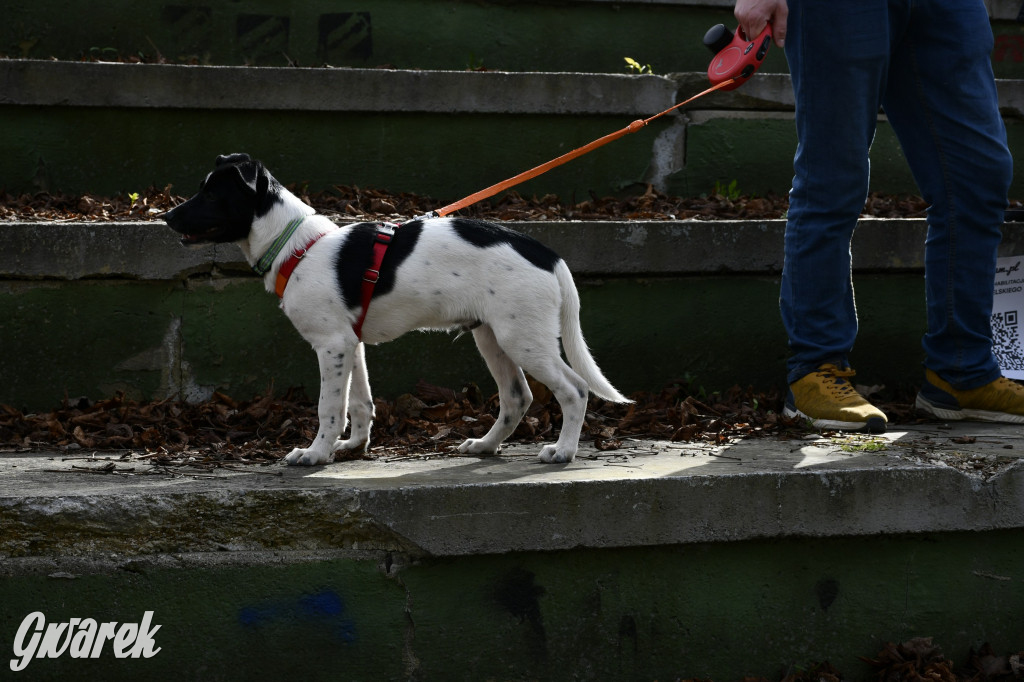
(285, 273)
(381, 241)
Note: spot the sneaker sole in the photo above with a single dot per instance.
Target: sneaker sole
(931, 408)
(872, 425)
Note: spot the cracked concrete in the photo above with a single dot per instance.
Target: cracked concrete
(915, 479)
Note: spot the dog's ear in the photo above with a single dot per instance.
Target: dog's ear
(262, 183)
(224, 159)
(250, 173)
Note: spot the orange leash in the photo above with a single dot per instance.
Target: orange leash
(565, 158)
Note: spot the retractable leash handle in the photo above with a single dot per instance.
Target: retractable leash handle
(736, 56)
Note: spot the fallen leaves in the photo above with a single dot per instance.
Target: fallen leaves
(350, 203)
(433, 419)
(237, 431)
(915, 660)
(921, 660)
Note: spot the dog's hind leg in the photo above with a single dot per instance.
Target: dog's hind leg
(571, 392)
(336, 363)
(535, 347)
(360, 406)
(514, 396)
(532, 343)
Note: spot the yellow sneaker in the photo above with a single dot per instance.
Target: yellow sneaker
(829, 401)
(1000, 401)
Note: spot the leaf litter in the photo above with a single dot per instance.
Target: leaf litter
(431, 421)
(344, 202)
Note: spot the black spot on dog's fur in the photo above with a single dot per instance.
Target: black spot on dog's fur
(356, 255)
(486, 235)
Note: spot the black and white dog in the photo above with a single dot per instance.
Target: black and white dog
(516, 295)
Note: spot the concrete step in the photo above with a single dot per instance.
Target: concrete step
(437, 133)
(671, 558)
(694, 300)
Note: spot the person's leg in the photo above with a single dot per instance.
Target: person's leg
(838, 58)
(942, 103)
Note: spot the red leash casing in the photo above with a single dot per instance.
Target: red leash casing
(738, 58)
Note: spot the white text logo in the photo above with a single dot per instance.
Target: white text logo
(82, 638)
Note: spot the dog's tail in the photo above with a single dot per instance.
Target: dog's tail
(576, 351)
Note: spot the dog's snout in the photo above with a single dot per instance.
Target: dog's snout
(171, 217)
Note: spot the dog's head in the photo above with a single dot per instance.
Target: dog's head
(238, 191)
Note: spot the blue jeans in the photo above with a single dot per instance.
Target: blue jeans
(926, 63)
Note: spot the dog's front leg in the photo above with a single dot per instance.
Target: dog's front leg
(336, 362)
(360, 406)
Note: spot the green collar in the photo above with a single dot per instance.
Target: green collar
(262, 266)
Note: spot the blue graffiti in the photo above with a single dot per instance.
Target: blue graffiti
(324, 609)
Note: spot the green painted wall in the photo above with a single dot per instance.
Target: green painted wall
(424, 34)
(717, 611)
(758, 154)
(443, 156)
(96, 337)
(428, 34)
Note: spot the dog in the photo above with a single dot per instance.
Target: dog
(343, 286)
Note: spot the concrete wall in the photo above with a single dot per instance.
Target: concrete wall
(583, 35)
(660, 561)
(718, 611)
(418, 34)
(426, 127)
(98, 308)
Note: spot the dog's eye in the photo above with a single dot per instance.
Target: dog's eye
(208, 196)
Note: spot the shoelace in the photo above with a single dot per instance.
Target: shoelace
(838, 386)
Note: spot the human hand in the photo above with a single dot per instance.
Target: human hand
(754, 14)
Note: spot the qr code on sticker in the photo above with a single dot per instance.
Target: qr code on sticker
(1006, 341)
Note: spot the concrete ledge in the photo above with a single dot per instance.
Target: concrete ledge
(652, 493)
(167, 86)
(40, 83)
(112, 250)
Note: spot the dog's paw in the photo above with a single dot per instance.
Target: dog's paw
(477, 446)
(352, 444)
(307, 457)
(552, 454)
